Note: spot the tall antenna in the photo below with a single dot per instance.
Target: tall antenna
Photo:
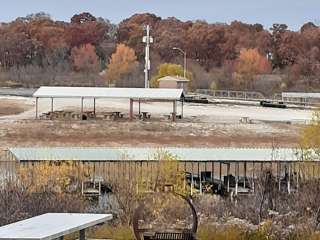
(147, 40)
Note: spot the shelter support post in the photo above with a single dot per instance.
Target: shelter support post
(94, 106)
(82, 235)
(228, 177)
(289, 178)
(61, 238)
(52, 104)
(245, 174)
(253, 176)
(182, 101)
(81, 116)
(237, 176)
(37, 99)
(131, 109)
(279, 176)
(139, 106)
(174, 112)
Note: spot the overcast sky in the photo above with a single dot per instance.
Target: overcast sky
(292, 12)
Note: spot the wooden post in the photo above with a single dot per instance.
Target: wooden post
(174, 112)
(82, 234)
(37, 108)
(131, 109)
(220, 170)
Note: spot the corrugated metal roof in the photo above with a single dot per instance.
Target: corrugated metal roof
(183, 154)
(300, 95)
(99, 92)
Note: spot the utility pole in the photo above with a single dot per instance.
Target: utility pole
(147, 40)
(184, 60)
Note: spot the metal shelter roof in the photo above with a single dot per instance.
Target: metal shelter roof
(300, 95)
(51, 226)
(141, 154)
(99, 92)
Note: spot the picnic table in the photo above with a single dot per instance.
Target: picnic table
(52, 226)
(146, 115)
(117, 114)
(113, 115)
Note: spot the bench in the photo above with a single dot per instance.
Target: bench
(174, 236)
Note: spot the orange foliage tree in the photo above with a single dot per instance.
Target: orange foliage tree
(249, 64)
(122, 63)
(85, 58)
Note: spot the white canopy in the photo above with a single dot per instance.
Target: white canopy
(99, 92)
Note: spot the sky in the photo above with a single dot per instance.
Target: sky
(294, 13)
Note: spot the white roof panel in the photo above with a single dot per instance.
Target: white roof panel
(300, 95)
(51, 226)
(99, 92)
(137, 154)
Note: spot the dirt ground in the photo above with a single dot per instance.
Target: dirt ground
(203, 126)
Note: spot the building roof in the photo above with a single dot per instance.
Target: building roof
(137, 154)
(51, 226)
(99, 92)
(174, 78)
(300, 95)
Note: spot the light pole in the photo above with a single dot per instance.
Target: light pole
(185, 60)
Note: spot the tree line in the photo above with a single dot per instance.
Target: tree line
(37, 50)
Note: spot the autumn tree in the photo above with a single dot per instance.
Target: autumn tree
(123, 64)
(85, 59)
(168, 69)
(249, 64)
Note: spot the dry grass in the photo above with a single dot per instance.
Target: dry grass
(12, 107)
(104, 133)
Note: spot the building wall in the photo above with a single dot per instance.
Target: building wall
(168, 84)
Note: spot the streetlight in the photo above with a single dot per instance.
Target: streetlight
(185, 60)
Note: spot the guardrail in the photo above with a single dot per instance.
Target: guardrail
(252, 96)
(229, 94)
